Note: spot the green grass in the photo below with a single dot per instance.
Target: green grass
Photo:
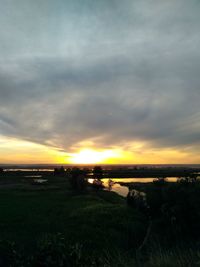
(60, 227)
(27, 214)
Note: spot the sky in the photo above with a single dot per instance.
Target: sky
(99, 81)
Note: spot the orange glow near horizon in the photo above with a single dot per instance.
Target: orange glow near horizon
(15, 151)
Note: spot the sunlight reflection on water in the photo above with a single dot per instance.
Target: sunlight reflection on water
(114, 186)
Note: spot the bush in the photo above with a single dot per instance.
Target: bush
(78, 179)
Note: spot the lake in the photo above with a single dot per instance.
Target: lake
(114, 183)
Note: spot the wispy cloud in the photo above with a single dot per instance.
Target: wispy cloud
(112, 73)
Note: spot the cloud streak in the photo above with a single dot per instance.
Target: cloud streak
(112, 74)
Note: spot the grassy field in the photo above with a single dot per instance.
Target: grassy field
(98, 221)
(52, 225)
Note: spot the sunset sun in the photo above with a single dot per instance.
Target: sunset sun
(90, 156)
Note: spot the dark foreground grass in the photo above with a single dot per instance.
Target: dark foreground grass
(26, 215)
(52, 225)
(33, 216)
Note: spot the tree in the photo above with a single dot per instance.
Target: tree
(59, 171)
(137, 199)
(192, 178)
(98, 172)
(78, 179)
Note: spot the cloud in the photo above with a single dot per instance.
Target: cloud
(112, 74)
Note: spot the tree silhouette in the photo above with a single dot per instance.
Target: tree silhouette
(59, 171)
(78, 179)
(98, 172)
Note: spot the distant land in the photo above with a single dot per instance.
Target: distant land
(106, 166)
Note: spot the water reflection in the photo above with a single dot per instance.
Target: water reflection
(33, 176)
(40, 181)
(115, 186)
(27, 170)
(119, 189)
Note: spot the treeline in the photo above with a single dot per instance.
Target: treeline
(171, 208)
(78, 177)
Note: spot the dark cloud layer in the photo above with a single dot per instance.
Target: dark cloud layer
(113, 73)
